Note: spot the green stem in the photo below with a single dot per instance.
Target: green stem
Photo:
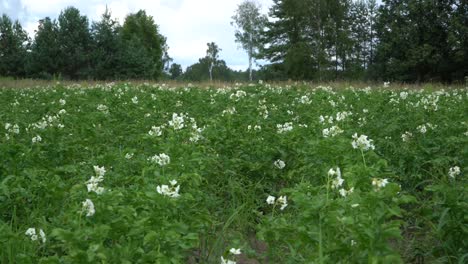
(320, 248)
(363, 158)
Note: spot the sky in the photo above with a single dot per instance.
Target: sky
(188, 25)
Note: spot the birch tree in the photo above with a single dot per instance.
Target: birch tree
(249, 24)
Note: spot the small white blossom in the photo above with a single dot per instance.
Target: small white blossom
(129, 155)
(422, 129)
(279, 164)
(155, 131)
(379, 183)
(283, 200)
(100, 171)
(36, 139)
(404, 95)
(135, 100)
(270, 200)
(235, 251)
(345, 193)
(103, 108)
(42, 235)
(229, 111)
(88, 207)
(454, 171)
(226, 261)
(62, 102)
(406, 137)
(31, 232)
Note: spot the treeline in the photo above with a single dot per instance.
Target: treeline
(400, 40)
(71, 48)
(397, 40)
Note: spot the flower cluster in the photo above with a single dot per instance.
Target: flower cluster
(282, 201)
(229, 111)
(49, 121)
(11, 129)
(155, 131)
(14, 129)
(454, 171)
(238, 95)
(103, 108)
(338, 181)
(305, 100)
(31, 232)
(196, 133)
(283, 128)
(424, 127)
(406, 137)
(332, 131)
(93, 183)
(256, 127)
(362, 142)
(161, 159)
(36, 139)
(178, 121)
(171, 191)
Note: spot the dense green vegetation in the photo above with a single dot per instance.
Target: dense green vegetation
(404, 41)
(152, 174)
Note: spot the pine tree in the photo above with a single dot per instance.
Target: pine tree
(45, 50)
(75, 44)
(14, 43)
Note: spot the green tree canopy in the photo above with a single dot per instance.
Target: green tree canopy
(45, 50)
(74, 40)
(140, 31)
(106, 47)
(14, 43)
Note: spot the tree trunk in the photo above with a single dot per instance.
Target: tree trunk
(211, 70)
(250, 68)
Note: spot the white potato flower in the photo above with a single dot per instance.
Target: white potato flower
(88, 207)
(155, 131)
(454, 171)
(379, 183)
(270, 200)
(362, 142)
(279, 164)
(31, 232)
(161, 159)
(227, 261)
(283, 201)
(36, 139)
(235, 251)
(171, 191)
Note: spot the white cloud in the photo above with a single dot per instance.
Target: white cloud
(187, 24)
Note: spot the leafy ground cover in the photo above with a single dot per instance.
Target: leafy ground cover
(143, 173)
